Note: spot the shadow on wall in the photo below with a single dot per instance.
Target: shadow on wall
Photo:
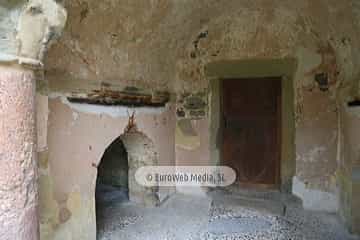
(112, 181)
(113, 172)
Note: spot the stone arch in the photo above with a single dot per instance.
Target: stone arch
(121, 158)
(113, 171)
(140, 152)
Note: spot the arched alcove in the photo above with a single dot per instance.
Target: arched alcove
(116, 184)
(113, 168)
(112, 181)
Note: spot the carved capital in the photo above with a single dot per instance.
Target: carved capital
(28, 28)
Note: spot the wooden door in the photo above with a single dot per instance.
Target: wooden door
(251, 117)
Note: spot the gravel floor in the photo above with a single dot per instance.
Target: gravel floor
(216, 217)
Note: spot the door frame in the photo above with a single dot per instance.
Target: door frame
(253, 68)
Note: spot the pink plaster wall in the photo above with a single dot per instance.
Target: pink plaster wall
(77, 141)
(316, 140)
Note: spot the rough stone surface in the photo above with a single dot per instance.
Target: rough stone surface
(18, 169)
(29, 27)
(192, 106)
(141, 153)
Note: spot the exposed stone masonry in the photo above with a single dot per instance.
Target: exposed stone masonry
(141, 153)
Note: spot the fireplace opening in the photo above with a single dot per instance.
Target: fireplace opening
(112, 184)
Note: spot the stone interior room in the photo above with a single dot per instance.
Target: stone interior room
(91, 91)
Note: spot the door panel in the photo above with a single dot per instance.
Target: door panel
(251, 129)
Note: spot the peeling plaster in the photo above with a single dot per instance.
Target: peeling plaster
(315, 200)
(322, 39)
(72, 171)
(313, 60)
(313, 155)
(185, 135)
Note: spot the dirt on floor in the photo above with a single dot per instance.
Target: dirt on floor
(220, 215)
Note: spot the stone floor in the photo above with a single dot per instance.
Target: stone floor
(221, 215)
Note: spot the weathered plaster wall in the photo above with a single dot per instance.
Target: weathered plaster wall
(349, 170)
(317, 46)
(198, 152)
(192, 149)
(351, 130)
(316, 151)
(77, 139)
(165, 45)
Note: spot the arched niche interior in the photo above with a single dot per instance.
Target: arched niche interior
(116, 184)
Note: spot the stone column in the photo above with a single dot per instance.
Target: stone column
(28, 28)
(18, 168)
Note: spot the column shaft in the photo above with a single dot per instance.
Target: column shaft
(18, 168)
